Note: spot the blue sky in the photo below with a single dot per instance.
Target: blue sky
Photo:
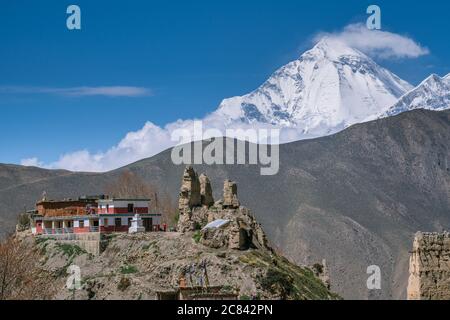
(187, 55)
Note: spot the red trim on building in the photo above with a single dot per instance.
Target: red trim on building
(110, 229)
(135, 210)
(140, 210)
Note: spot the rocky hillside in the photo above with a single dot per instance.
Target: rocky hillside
(13, 175)
(231, 260)
(355, 198)
(141, 265)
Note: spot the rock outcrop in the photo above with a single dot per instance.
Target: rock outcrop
(190, 190)
(206, 196)
(189, 198)
(429, 267)
(239, 231)
(242, 231)
(230, 199)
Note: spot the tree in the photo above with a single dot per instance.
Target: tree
(165, 205)
(129, 185)
(21, 275)
(23, 222)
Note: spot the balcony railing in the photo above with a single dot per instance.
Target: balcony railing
(65, 230)
(68, 230)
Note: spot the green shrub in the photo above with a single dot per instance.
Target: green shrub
(227, 288)
(277, 282)
(318, 267)
(197, 236)
(23, 222)
(127, 269)
(70, 250)
(124, 283)
(197, 226)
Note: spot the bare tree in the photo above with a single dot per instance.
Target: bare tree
(128, 185)
(169, 211)
(21, 276)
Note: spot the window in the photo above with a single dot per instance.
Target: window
(105, 222)
(130, 207)
(107, 208)
(117, 222)
(129, 222)
(81, 224)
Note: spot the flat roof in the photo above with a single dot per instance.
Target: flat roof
(123, 199)
(94, 216)
(68, 200)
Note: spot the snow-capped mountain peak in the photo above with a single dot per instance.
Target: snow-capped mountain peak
(332, 50)
(433, 93)
(325, 90)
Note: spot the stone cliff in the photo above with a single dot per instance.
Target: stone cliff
(429, 267)
(239, 229)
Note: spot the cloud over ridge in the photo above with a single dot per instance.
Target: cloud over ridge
(378, 43)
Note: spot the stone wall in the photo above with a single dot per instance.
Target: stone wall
(87, 241)
(429, 267)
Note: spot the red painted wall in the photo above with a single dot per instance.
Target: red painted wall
(113, 229)
(140, 210)
(81, 230)
(39, 227)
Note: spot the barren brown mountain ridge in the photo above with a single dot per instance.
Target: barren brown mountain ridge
(355, 198)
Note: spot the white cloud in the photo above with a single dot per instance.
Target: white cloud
(377, 43)
(31, 162)
(108, 91)
(146, 142)
(152, 139)
(136, 145)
